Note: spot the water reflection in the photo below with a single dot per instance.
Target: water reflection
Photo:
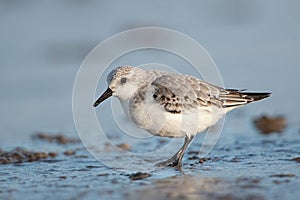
(197, 187)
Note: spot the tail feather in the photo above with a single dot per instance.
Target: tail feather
(256, 96)
(235, 98)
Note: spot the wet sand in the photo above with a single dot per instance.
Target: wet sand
(264, 167)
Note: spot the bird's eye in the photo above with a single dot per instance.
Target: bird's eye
(123, 80)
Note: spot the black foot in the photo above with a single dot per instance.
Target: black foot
(168, 163)
(175, 161)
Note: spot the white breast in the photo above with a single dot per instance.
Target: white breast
(151, 116)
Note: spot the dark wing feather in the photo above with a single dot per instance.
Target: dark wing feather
(177, 93)
(235, 98)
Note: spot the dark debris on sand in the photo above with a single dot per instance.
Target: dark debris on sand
(69, 152)
(139, 176)
(124, 146)
(266, 124)
(282, 175)
(19, 155)
(57, 138)
(297, 159)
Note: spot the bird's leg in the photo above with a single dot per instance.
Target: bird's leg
(175, 161)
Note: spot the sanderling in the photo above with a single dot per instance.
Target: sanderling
(172, 105)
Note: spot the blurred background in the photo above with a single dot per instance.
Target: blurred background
(255, 44)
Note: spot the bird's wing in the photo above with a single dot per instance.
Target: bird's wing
(180, 93)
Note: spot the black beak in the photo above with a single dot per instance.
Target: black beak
(105, 95)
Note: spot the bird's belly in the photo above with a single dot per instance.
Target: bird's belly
(159, 122)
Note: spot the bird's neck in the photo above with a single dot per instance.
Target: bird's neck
(126, 93)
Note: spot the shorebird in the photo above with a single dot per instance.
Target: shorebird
(172, 105)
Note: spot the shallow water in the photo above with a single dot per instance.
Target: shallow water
(244, 168)
(254, 44)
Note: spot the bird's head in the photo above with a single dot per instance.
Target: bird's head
(122, 83)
